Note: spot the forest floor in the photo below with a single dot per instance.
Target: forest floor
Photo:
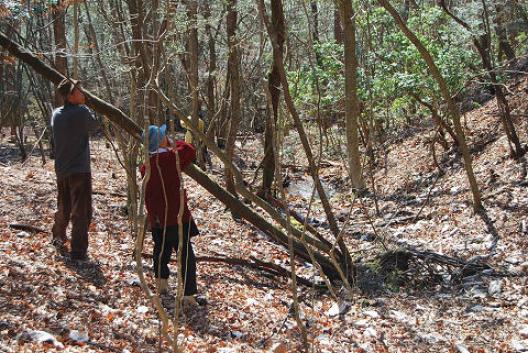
(98, 306)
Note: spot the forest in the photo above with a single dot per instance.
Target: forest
(358, 177)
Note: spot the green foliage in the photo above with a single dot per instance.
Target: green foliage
(522, 39)
(396, 67)
(390, 67)
(327, 73)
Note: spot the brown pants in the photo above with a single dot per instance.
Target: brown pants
(74, 201)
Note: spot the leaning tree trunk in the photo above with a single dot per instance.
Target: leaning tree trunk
(444, 90)
(120, 119)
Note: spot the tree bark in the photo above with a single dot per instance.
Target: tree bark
(274, 87)
(234, 73)
(338, 30)
(211, 78)
(352, 110)
(192, 49)
(59, 34)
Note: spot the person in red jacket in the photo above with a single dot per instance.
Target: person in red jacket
(162, 199)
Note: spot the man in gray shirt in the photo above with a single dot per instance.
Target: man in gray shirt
(71, 125)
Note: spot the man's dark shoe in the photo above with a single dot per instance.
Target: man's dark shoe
(78, 257)
(60, 245)
(201, 299)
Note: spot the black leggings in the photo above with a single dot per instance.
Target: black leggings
(171, 242)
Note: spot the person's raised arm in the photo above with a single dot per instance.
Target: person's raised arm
(186, 153)
(92, 123)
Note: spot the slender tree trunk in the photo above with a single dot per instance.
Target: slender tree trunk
(351, 99)
(192, 47)
(346, 261)
(59, 33)
(211, 78)
(274, 86)
(142, 67)
(315, 14)
(92, 37)
(234, 73)
(338, 30)
(504, 45)
(446, 95)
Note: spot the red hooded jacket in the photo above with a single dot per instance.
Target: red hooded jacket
(164, 180)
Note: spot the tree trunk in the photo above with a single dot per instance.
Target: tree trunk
(338, 30)
(351, 99)
(192, 48)
(274, 87)
(234, 76)
(504, 45)
(346, 261)
(59, 33)
(211, 78)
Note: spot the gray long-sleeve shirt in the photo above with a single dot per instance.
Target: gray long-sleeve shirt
(71, 125)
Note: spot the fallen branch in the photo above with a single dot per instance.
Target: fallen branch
(253, 263)
(27, 228)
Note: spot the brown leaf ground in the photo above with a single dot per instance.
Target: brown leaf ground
(249, 312)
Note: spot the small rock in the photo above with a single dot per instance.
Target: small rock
(519, 346)
(455, 190)
(236, 334)
(512, 260)
(461, 348)
(524, 332)
(370, 332)
(133, 281)
(40, 336)
(372, 314)
(338, 309)
(361, 323)
(78, 336)
(142, 309)
(494, 287)
(22, 234)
